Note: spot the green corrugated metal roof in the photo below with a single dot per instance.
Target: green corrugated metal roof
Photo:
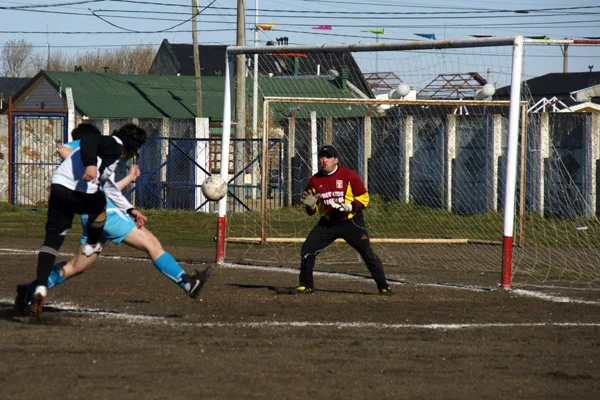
(105, 95)
(319, 87)
(300, 86)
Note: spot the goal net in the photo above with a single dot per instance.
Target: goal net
(432, 143)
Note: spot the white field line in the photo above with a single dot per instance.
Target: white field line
(520, 292)
(13, 252)
(527, 293)
(556, 299)
(342, 275)
(157, 320)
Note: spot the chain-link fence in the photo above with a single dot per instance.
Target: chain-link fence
(174, 163)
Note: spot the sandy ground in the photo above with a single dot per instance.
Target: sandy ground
(123, 331)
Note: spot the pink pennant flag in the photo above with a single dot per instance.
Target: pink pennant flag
(322, 27)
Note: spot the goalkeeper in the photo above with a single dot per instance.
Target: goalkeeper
(337, 193)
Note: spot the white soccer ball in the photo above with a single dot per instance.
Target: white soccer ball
(214, 188)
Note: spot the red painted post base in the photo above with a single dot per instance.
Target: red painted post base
(507, 245)
(221, 230)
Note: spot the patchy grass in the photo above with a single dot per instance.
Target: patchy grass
(384, 219)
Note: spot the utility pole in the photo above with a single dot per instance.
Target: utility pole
(240, 94)
(565, 58)
(255, 77)
(255, 171)
(240, 72)
(48, 48)
(197, 73)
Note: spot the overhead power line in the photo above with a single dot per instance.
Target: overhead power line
(155, 31)
(380, 18)
(564, 24)
(461, 11)
(358, 16)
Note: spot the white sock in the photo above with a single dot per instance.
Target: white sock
(43, 290)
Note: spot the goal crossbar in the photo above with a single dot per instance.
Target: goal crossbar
(383, 46)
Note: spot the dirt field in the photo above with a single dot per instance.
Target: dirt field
(122, 331)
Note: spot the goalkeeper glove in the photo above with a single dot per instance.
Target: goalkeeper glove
(342, 207)
(309, 199)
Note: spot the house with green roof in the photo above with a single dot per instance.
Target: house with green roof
(106, 95)
(117, 96)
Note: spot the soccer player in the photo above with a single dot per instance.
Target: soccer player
(338, 194)
(119, 227)
(75, 190)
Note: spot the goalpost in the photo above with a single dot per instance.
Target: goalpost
(449, 176)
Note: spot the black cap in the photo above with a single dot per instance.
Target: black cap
(328, 151)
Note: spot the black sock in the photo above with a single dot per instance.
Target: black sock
(95, 231)
(47, 256)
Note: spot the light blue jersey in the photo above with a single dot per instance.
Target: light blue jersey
(116, 228)
(74, 145)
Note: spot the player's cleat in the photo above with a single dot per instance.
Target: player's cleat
(37, 304)
(304, 290)
(197, 282)
(23, 298)
(385, 291)
(89, 249)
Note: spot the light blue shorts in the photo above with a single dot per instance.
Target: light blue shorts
(116, 228)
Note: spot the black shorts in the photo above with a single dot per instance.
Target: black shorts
(64, 203)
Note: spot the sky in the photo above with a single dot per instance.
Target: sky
(81, 26)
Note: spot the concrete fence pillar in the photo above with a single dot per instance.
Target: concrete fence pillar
(407, 153)
(592, 155)
(202, 131)
(367, 149)
(449, 159)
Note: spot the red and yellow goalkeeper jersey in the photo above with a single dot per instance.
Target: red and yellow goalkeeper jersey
(343, 185)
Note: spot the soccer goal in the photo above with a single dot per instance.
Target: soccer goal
(465, 182)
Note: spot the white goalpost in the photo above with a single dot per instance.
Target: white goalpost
(511, 169)
(454, 175)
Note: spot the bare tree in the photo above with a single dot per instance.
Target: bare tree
(125, 60)
(92, 61)
(15, 55)
(17, 59)
(136, 60)
(58, 61)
